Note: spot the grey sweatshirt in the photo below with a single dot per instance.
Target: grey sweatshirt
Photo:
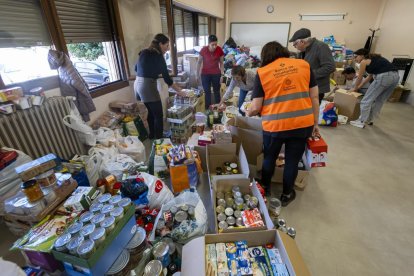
(319, 56)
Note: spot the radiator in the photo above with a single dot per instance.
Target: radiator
(39, 130)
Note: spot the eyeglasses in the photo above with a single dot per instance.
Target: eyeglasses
(296, 42)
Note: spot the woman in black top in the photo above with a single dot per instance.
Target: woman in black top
(150, 66)
(385, 77)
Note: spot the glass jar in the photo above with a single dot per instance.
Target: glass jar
(125, 203)
(86, 217)
(47, 179)
(61, 242)
(74, 243)
(96, 207)
(104, 198)
(117, 213)
(75, 228)
(98, 236)
(87, 230)
(86, 249)
(107, 209)
(97, 219)
(115, 199)
(108, 224)
(32, 190)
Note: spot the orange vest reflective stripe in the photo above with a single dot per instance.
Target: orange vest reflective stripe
(286, 104)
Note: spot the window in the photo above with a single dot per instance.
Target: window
(88, 31)
(202, 30)
(24, 44)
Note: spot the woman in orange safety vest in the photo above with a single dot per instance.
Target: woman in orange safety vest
(286, 96)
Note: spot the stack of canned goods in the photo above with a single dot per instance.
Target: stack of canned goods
(228, 168)
(173, 217)
(87, 234)
(281, 225)
(230, 207)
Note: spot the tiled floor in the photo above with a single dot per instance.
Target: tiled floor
(356, 215)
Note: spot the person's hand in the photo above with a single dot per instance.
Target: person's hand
(336, 88)
(222, 106)
(315, 132)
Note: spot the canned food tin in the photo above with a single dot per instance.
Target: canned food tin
(138, 242)
(230, 202)
(74, 243)
(221, 217)
(97, 219)
(228, 169)
(253, 202)
(233, 165)
(86, 249)
(98, 236)
(107, 209)
(115, 199)
(184, 208)
(104, 198)
(47, 179)
(234, 171)
(239, 222)
(223, 225)
(235, 189)
(220, 195)
(231, 221)
(238, 213)
(86, 217)
(120, 266)
(125, 203)
(87, 230)
(75, 228)
(291, 232)
(221, 202)
(239, 203)
(228, 194)
(153, 268)
(117, 213)
(173, 210)
(108, 224)
(191, 212)
(229, 211)
(171, 245)
(237, 195)
(180, 216)
(281, 223)
(246, 197)
(61, 242)
(96, 207)
(161, 253)
(220, 209)
(275, 207)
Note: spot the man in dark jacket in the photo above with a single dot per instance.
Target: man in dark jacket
(318, 55)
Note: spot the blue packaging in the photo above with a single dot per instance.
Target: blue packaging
(276, 262)
(260, 262)
(232, 263)
(243, 259)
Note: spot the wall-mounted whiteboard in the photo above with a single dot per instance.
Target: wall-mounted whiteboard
(258, 34)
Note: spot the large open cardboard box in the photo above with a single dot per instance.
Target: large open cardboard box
(223, 185)
(217, 154)
(193, 261)
(348, 103)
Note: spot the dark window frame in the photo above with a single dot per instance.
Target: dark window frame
(59, 43)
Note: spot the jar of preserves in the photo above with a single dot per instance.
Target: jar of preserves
(32, 190)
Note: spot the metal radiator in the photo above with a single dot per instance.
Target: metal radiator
(39, 130)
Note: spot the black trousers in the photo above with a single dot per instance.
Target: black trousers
(294, 148)
(155, 119)
(321, 95)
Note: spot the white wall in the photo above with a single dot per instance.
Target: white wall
(396, 34)
(353, 31)
(211, 7)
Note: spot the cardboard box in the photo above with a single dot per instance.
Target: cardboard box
(338, 77)
(190, 67)
(396, 94)
(317, 153)
(10, 94)
(100, 262)
(195, 250)
(200, 103)
(217, 154)
(81, 199)
(340, 64)
(348, 103)
(223, 185)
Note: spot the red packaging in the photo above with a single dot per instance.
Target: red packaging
(317, 152)
(252, 218)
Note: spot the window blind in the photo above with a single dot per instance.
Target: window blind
(22, 24)
(163, 13)
(84, 20)
(202, 25)
(178, 23)
(213, 27)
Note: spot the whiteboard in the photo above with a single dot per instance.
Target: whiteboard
(258, 34)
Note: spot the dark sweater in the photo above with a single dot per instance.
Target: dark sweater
(152, 65)
(380, 65)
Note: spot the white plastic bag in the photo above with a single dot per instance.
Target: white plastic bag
(105, 136)
(116, 165)
(84, 132)
(92, 166)
(132, 147)
(229, 113)
(158, 192)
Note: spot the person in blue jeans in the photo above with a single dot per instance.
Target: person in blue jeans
(242, 78)
(211, 65)
(385, 77)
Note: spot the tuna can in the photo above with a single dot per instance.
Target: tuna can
(180, 216)
(223, 225)
(221, 202)
(153, 268)
(239, 222)
(239, 203)
(253, 202)
(96, 207)
(228, 195)
(237, 195)
(230, 202)
(86, 217)
(86, 249)
(220, 209)
(107, 209)
(74, 243)
(291, 232)
(161, 253)
(61, 242)
(87, 230)
(97, 219)
(98, 236)
(75, 228)
(115, 199)
(120, 266)
(231, 221)
(220, 195)
(125, 203)
(108, 224)
(221, 217)
(104, 198)
(238, 214)
(229, 211)
(227, 164)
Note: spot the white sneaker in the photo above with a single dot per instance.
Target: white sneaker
(357, 123)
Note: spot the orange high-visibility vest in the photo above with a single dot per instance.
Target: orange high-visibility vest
(286, 104)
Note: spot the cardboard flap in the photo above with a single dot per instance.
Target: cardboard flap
(243, 162)
(343, 91)
(292, 253)
(193, 261)
(221, 149)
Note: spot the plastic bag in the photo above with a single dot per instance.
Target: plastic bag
(108, 119)
(105, 136)
(92, 165)
(84, 132)
(132, 147)
(158, 192)
(188, 229)
(158, 164)
(229, 113)
(136, 189)
(328, 114)
(116, 165)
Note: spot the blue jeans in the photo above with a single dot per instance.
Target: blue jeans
(242, 96)
(294, 148)
(211, 80)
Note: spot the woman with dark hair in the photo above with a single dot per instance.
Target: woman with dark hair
(385, 77)
(151, 66)
(242, 78)
(286, 95)
(211, 63)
